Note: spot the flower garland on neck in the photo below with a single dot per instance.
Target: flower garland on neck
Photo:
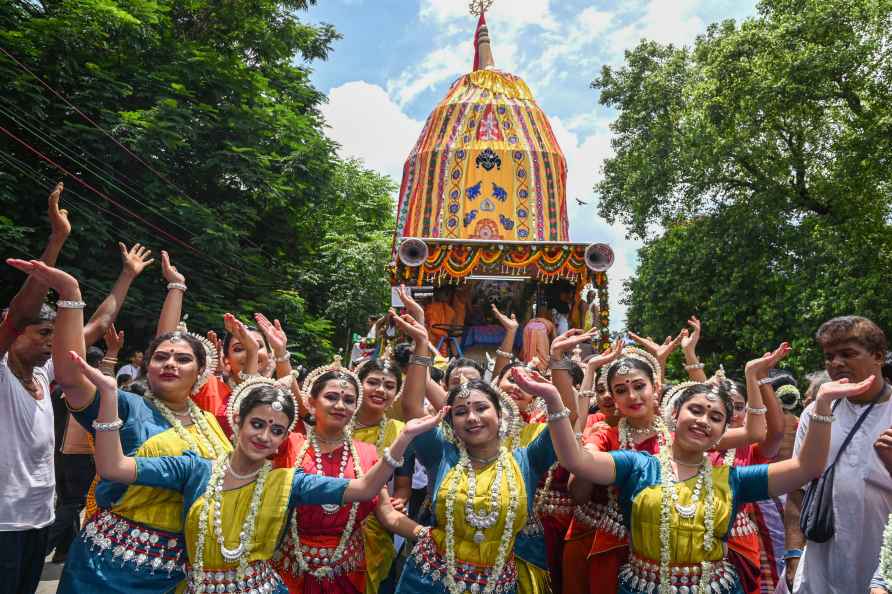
(627, 433)
(670, 498)
(338, 554)
(212, 510)
(205, 434)
(464, 467)
(886, 553)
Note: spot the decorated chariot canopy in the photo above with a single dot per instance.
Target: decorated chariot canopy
(484, 195)
(484, 188)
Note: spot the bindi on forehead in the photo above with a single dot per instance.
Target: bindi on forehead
(175, 350)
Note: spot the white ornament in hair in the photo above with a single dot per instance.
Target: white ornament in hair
(242, 390)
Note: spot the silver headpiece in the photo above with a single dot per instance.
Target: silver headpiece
(639, 354)
(244, 388)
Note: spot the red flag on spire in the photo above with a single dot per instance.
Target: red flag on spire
(481, 26)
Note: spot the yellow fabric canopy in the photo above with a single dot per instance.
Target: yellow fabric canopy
(487, 166)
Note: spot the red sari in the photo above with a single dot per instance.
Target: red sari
(610, 543)
(320, 532)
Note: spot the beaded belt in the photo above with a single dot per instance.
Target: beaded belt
(468, 576)
(590, 514)
(743, 525)
(612, 518)
(260, 578)
(137, 546)
(553, 502)
(317, 557)
(643, 575)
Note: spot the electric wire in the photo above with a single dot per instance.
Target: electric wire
(110, 136)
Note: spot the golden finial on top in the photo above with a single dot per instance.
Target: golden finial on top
(478, 7)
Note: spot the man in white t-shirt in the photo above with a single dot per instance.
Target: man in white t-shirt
(27, 479)
(26, 458)
(854, 348)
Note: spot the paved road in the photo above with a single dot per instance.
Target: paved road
(50, 578)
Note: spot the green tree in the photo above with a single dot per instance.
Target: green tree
(214, 97)
(762, 152)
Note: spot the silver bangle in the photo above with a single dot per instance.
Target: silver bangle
(586, 394)
(421, 360)
(283, 358)
(180, 286)
(557, 416)
(562, 363)
(64, 304)
(765, 380)
(112, 426)
(756, 411)
(501, 353)
(822, 418)
(694, 366)
(391, 461)
(420, 532)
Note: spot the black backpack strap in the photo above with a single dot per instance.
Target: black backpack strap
(854, 430)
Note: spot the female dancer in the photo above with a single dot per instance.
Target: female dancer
(237, 500)
(677, 505)
(381, 382)
(323, 550)
(633, 381)
(749, 548)
(482, 493)
(135, 543)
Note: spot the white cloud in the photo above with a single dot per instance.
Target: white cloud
(370, 126)
(440, 65)
(665, 22)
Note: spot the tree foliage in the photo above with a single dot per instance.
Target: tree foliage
(237, 180)
(761, 154)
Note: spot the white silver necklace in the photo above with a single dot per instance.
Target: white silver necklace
(329, 508)
(489, 515)
(688, 511)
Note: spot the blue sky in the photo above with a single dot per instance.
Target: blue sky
(398, 57)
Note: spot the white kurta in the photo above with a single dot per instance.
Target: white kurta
(862, 500)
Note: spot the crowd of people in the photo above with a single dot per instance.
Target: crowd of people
(209, 464)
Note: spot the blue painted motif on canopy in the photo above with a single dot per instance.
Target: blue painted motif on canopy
(499, 193)
(474, 191)
(507, 223)
(470, 217)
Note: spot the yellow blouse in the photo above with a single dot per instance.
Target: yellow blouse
(686, 534)
(466, 549)
(162, 508)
